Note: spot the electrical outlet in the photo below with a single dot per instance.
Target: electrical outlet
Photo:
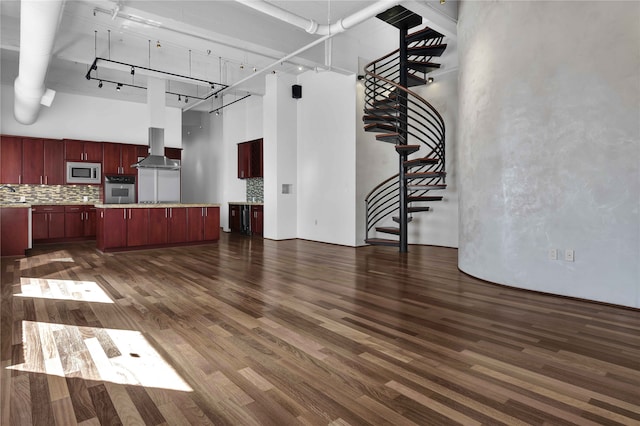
(569, 255)
(553, 254)
(23, 199)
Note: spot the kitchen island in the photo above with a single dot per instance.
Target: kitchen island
(142, 226)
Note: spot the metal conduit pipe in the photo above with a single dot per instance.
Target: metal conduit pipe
(38, 26)
(308, 25)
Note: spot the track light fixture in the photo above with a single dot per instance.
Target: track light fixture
(430, 80)
(158, 45)
(100, 84)
(94, 66)
(119, 86)
(217, 112)
(186, 99)
(442, 1)
(241, 66)
(133, 71)
(179, 98)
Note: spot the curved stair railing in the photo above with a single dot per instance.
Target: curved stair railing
(402, 117)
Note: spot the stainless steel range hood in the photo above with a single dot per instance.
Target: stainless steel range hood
(156, 158)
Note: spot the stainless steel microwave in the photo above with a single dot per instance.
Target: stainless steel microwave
(78, 172)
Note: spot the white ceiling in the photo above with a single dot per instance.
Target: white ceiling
(220, 41)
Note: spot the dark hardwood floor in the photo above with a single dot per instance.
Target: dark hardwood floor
(248, 332)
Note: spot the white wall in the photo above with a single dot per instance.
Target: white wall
(94, 119)
(327, 158)
(242, 122)
(550, 146)
(201, 163)
(280, 157)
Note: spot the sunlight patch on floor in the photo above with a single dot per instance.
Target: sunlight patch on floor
(118, 356)
(82, 291)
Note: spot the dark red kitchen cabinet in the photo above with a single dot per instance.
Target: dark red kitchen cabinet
(177, 225)
(129, 155)
(195, 220)
(14, 243)
(211, 223)
(47, 222)
(235, 219)
(111, 228)
(173, 153)
(73, 221)
(111, 162)
(257, 220)
(77, 150)
(32, 161)
(137, 227)
(10, 159)
(250, 159)
(90, 221)
(53, 161)
(158, 226)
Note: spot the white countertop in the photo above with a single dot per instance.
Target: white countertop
(153, 205)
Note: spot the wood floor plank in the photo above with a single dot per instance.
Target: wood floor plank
(259, 332)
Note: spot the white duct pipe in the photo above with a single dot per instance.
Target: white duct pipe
(39, 21)
(311, 26)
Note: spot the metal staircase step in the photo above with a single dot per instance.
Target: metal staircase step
(379, 119)
(414, 80)
(388, 230)
(422, 66)
(422, 35)
(425, 187)
(421, 175)
(420, 161)
(382, 242)
(396, 219)
(418, 209)
(388, 109)
(424, 198)
(407, 148)
(435, 50)
(393, 138)
(391, 99)
(379, 127)
(400, 17)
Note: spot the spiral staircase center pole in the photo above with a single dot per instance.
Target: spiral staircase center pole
(404, 136)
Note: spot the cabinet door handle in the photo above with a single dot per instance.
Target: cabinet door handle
(40, 180)
(19, 178)
(166, 214)
(129, 214)
(124, 214)
(171, 213)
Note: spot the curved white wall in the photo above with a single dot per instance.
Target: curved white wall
(549, 146)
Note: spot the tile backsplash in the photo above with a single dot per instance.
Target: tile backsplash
(255, 190)
(42, 194)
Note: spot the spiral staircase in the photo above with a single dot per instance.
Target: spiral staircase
(403, 118)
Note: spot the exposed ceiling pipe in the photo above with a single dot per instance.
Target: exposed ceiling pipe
(38, 25)
(308, 25)
(311, 26)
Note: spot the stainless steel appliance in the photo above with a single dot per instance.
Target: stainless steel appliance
(119, 189)
(78, 172)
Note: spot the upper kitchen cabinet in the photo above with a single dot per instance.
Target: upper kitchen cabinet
(118, 158)
(10, 159)
(250, 159)
(75, 150)
(173, 153)
(42, 161)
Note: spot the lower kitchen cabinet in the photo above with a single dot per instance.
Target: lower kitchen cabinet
(47, 223)
(257, 220)
(177, 225)
(156, 226)
(246, 219)
(16, 219)
(137, 227)
(235, 218)
(203, 223)
(79, 222)
(111, 230)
